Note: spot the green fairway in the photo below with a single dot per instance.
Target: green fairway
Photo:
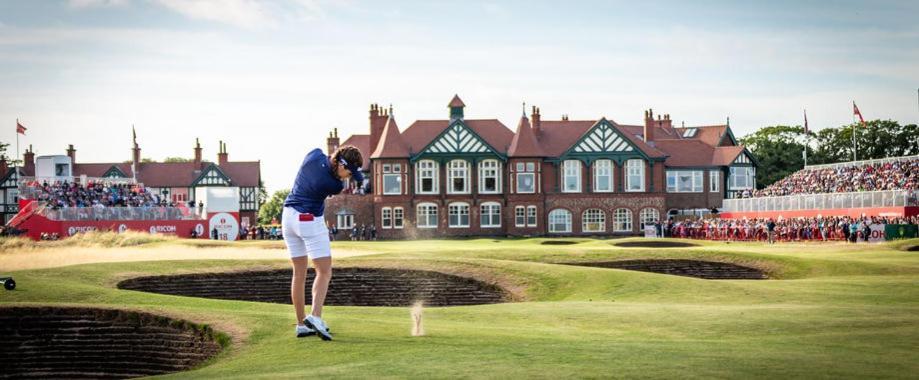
(827, 311)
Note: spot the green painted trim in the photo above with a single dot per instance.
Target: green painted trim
(651, 177)
(727, 133)
(115, 169)
(595, 155)
(422, 155)
(204, 173)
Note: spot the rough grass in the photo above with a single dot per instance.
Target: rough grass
(88, 239)
(835, 311)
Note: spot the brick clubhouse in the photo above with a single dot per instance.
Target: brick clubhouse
(477, 177)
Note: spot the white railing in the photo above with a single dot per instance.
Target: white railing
(861, 199)
(862, 163)
(120, 213)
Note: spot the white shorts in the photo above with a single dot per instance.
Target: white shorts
(305, 238)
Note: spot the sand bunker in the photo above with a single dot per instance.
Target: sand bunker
(691, 268)
(51, 342)
(559, 242)
(349, 287)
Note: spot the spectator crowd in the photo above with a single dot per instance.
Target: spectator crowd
(102, 200)
(896, 175)
(771, 230)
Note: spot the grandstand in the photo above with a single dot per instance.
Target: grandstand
(884, 187)
(55, 207)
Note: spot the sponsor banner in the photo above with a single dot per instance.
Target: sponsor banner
(224, 226)
(901, 231)
(650, 231)
(181, 228)
(877, 233)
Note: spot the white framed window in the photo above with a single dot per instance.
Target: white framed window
(427, 215)
(345, 221)
(648, 216)
(386, 219)
(593, 220)
(392, 179)
(458, 214)
(458, 177)
(622, 220)
(526, 177)
(520, 218)
(635, 175)
(742, 177)
(489, 177)
(714, 179)
(559, 221)
(571, 180)
(531, 216)
(684, 181)
(490, 216)
(603, 176)
(398, 217)
(426, 178)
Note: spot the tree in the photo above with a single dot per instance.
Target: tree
(778, 149)
(176, 159)
(272, 209)
(14, 161)
(262, 193)
(877, 139)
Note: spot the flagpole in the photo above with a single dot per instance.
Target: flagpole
(854, 143)
(17, 143)
(806, 137)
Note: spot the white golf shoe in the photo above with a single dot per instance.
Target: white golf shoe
(318, 327)
(303, 331)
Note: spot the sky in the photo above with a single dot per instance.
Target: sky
(272, 78)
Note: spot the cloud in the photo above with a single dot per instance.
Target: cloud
(247, 14)
(96, 3)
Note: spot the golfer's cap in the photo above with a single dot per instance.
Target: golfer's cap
(355, 173)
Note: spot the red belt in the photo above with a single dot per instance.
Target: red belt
(306, 217)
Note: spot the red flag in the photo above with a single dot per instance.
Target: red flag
(856, 112)
(805, 122)
(20, 129)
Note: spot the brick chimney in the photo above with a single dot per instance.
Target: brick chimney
(222, 157)
(536, 120)
(648, 134)
(28, 161)
(665, 123)
(72, 153)
(332, 142)
(4, 166)
(197, 153)
(378, 118)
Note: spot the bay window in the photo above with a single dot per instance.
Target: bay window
(427, 177)
(684, 181)
(489, 177)
(458, 177)
(603, 176)
(571, 180)
(635, 175)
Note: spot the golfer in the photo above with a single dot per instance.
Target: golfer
(306, 233)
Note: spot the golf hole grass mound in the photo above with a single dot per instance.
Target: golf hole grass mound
(655, 244)
(51, 342)
(710, 270)
(559, 242)
(349, 287)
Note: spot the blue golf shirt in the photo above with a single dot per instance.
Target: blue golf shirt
(314, 183)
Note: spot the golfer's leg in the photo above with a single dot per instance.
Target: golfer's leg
(323, 268)
(298, 287)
